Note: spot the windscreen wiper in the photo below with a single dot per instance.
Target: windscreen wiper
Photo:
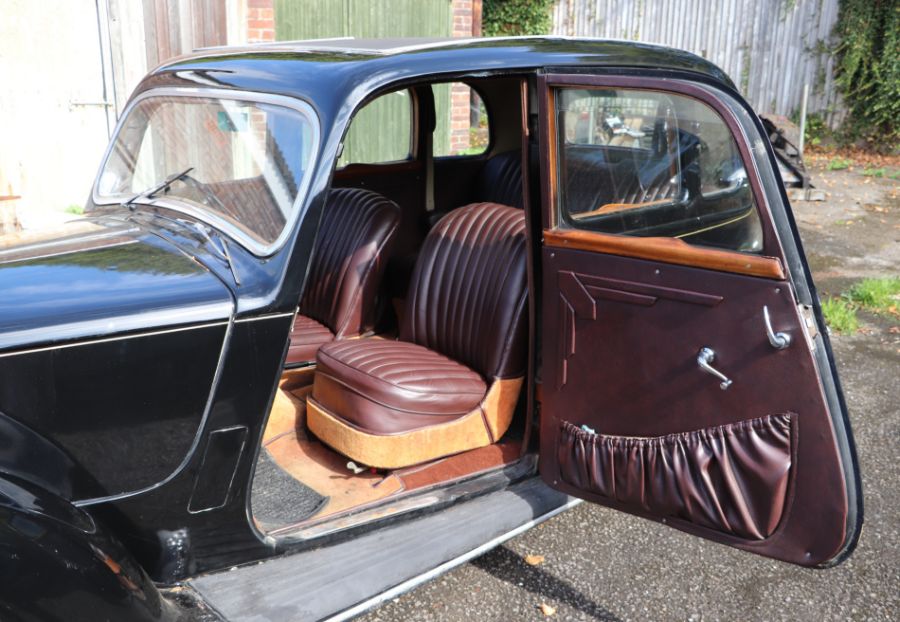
(151, 192)
(220, 250)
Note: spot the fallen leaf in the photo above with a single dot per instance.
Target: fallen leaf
(547, 610)
(895, 330)
(534, 560)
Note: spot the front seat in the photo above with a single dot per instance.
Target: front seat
(355, 233)
(452, 381)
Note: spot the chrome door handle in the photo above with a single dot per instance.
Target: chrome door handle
(779, 341)
(705, 359)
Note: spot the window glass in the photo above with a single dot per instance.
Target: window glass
(646, 163)
(462, 121)
(381, 131)
(241, 162)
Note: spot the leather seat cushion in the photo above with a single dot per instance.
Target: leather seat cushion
(307, 336)
(390, 387)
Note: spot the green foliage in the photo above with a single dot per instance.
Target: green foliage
(840, 315)
(874, 172)
(839, 164)
(816, 129)
(878, 295)
(74, 208)
(881, 295)
(504, 18)
(868, 70)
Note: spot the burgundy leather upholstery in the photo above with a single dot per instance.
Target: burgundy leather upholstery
(732, 478)
(376, 380)
(468, 291)
(339, 300)
(500, 181)
(464, 325)
(307, 336)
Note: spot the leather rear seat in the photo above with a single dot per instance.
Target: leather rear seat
(345, 270)
(500, 181)
(452, 381)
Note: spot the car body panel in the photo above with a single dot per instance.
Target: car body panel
(83, 572)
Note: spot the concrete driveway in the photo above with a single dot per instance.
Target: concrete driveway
(603, 565)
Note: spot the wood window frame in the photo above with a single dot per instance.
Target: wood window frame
(767, 264)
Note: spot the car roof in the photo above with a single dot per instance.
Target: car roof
(371, 59)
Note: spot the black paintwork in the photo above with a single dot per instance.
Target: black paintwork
(112, 394)
(59, 566)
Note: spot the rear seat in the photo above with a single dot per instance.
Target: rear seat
(500, 181)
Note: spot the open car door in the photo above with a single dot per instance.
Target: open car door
(686, 375)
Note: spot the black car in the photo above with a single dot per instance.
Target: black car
(344, 314)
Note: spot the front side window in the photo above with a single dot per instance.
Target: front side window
(241, 163)
(652, 164)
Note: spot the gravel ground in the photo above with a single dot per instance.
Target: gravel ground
(603, 565)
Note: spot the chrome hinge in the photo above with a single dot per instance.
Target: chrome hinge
(810, 327)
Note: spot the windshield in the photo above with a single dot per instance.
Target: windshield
(239, 165)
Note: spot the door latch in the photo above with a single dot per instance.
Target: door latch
(705, 359)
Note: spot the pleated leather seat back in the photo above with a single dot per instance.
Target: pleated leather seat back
(468, 292)
(354, 235)
(500, 181)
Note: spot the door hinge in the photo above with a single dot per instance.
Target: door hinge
(810, 327)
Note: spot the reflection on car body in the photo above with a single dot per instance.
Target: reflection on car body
(311, 321)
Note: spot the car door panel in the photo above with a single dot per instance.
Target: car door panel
(624, 336)
(631, 419)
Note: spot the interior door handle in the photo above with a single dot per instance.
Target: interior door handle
(779, 341)
(705, 359)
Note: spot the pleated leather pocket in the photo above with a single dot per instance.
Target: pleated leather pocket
(732, 478)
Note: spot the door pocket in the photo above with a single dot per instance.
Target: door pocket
(731, 478)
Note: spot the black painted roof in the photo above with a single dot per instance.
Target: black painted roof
(394, 58)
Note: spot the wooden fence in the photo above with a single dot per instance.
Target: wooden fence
(770, 48)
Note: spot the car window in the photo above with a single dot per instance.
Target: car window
(381, 131)
(461, 126)
(652, 164)
(239, 162)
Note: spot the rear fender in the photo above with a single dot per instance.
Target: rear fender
(60, 565)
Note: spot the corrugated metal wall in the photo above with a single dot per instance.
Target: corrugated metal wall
(770, 48)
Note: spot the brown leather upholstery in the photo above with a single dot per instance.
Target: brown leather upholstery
(732, 478)
(375, 381)
(500, 181)
(339, 300)
(307, 336)
(468, 291)
(453, 379)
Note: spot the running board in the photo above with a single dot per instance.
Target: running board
(344, 579)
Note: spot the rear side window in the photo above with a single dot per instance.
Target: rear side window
(652, 164)
(461, 121)
(381, 131)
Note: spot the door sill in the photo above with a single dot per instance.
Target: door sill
(341, 580)
(437, 496)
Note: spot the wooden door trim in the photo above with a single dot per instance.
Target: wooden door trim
(667, 250)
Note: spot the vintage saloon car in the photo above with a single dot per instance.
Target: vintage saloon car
(343, 314)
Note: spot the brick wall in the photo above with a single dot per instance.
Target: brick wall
(464, 23)
(260, 20)
(466, 15)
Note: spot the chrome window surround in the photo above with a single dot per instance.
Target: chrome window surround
(222, 224)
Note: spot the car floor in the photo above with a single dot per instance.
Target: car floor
(299, 481)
